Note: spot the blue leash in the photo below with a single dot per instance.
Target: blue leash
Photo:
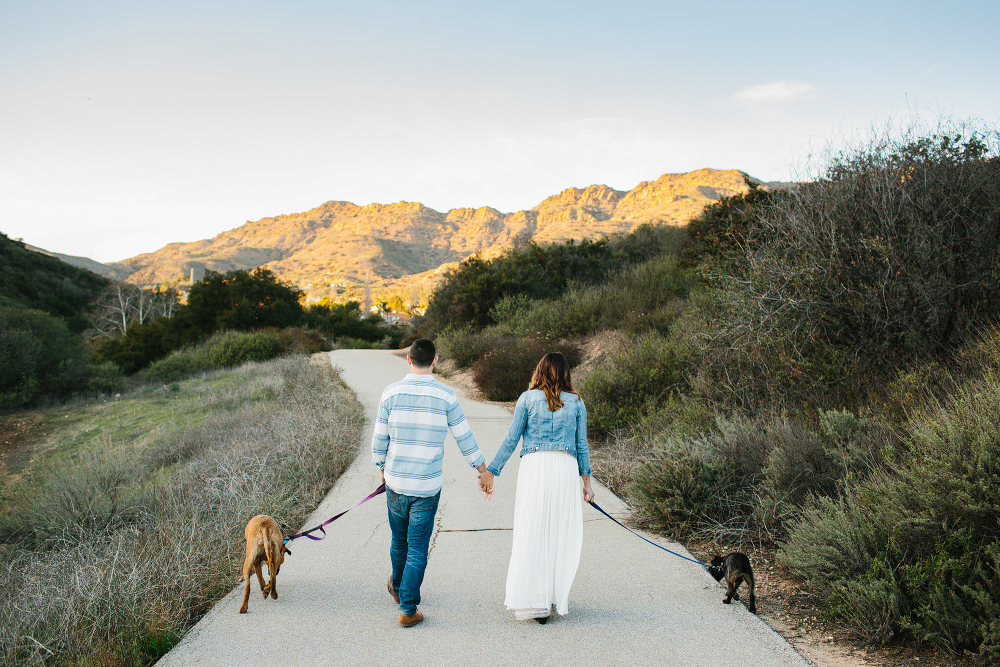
(598, 508)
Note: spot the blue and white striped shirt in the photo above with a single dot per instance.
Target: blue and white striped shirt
(413, 420)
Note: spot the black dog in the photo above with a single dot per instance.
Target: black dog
(736, 569)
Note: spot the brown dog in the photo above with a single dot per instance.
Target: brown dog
(264, 545)
(736, 569)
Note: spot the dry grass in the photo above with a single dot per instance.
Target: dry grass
(101, 565)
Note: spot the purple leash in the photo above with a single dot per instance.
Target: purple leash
(305, 533)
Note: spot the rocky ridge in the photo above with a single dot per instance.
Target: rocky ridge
(405, 247)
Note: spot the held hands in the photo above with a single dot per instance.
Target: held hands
(588, 492)
(486, 482)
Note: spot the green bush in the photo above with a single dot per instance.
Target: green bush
(106, 378)
(504, 372)
(636, 381)
(175, 367)
(470, 292)
(681, 487)
(38, 355)
(639, 298)
(466, 346)
(914, 548)
(233, 348)
(741, 479)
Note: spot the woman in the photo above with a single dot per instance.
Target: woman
(548, 516)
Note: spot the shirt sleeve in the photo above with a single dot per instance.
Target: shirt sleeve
(582, 447)
(513, 436)
(380, 436)
(462, 433)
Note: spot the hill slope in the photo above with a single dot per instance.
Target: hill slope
(326, 251)
(79, 262)
(31, 279)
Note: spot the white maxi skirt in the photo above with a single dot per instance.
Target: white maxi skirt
(548, 534)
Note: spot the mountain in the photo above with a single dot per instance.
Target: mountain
(78, 262)
(406, 246)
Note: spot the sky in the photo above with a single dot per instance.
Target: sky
(128, 125)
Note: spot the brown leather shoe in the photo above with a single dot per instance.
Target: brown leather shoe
(407, 621)
(392, 591)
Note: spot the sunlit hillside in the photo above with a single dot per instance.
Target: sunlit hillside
(406, 246)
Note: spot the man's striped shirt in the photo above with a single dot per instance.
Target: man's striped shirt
(413, 420)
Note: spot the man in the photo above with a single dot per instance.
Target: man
(414, 416)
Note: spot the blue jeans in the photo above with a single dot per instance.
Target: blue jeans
(411, 519)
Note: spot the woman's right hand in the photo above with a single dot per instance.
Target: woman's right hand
(588, 492)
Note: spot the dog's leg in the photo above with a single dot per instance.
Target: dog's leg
(752, 600)
(272, 573)
(732, 583)
(260, 579)
(246, 589)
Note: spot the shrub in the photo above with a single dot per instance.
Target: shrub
(296, 340)
(346, 321)
(885, 259)
(106, 378)
(638, 298)
(233, 348)
(636, 381)
(741, 479)
(914, 548)
(175, 367)
(504, 372)
(469, 292)
(682, 487)
(467, 345)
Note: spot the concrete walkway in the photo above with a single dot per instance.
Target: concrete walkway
(631, 604)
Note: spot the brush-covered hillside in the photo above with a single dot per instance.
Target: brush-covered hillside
(810, 374)
(328, 250)
(31, 279)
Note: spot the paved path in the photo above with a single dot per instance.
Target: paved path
(630, 605)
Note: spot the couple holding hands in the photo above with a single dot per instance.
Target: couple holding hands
(414, 417)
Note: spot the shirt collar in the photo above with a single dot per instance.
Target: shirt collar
(421, 378)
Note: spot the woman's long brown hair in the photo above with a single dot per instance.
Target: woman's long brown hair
(552, 376)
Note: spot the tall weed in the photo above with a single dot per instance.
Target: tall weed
(86, 547)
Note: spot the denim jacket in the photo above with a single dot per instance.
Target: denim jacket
(541, 430)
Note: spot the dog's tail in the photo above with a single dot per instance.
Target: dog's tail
(266, 534)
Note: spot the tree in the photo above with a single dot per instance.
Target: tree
(243, 300)
(38, 354)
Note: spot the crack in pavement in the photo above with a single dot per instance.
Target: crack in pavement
(374, 530)
(470, 530)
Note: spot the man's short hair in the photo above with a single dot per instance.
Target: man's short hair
(422, 353)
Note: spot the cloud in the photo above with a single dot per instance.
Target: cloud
(774, 93)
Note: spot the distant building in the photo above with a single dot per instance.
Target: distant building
(396, 318)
